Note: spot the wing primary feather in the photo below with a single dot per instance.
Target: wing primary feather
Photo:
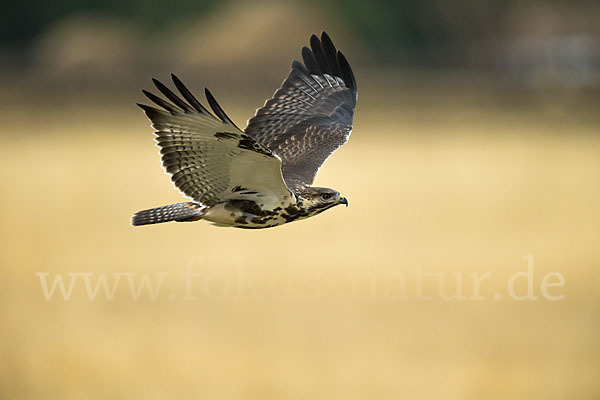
(160, 102)
(171, 96)
(217, 108)
(319, 54)
(299, 66)
(150, 111)
(347, 74)
(310, 61)
(331, 54)
(189, 96)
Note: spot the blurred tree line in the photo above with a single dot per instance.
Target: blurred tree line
(24, 21)
(396, 32)
(420, 32)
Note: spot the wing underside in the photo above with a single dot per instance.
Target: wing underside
(207, 156)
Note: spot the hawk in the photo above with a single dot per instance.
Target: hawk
(261, 176)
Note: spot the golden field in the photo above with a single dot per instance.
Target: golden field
(324, 308)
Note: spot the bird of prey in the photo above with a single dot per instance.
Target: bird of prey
(261, 176)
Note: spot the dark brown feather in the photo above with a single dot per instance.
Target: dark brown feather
(189, 96)
(311, 115)
(212, 102)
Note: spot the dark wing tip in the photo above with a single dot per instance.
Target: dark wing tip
(347, 74)
(160, 102)
(323, 58)
(171, 96)
(150, 112)
(212, 102)
(330, 53)
(299, 66)
(143, 106)
(319, 53)
(185, 92)
(310, 61)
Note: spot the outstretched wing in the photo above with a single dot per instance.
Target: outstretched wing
(310, 116)
(209, 158)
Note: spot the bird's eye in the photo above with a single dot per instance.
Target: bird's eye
(325, 196)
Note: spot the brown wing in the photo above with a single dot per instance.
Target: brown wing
(310, 116)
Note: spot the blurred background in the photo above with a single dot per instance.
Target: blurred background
(476, 143)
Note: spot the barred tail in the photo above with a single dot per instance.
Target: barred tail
(180, 212)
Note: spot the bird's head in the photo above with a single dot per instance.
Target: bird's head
(316, 199)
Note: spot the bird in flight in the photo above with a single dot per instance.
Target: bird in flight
(261, 176)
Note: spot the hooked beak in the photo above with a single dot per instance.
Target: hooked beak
(344, 200)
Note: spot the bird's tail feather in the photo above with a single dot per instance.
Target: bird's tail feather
(180, 212)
